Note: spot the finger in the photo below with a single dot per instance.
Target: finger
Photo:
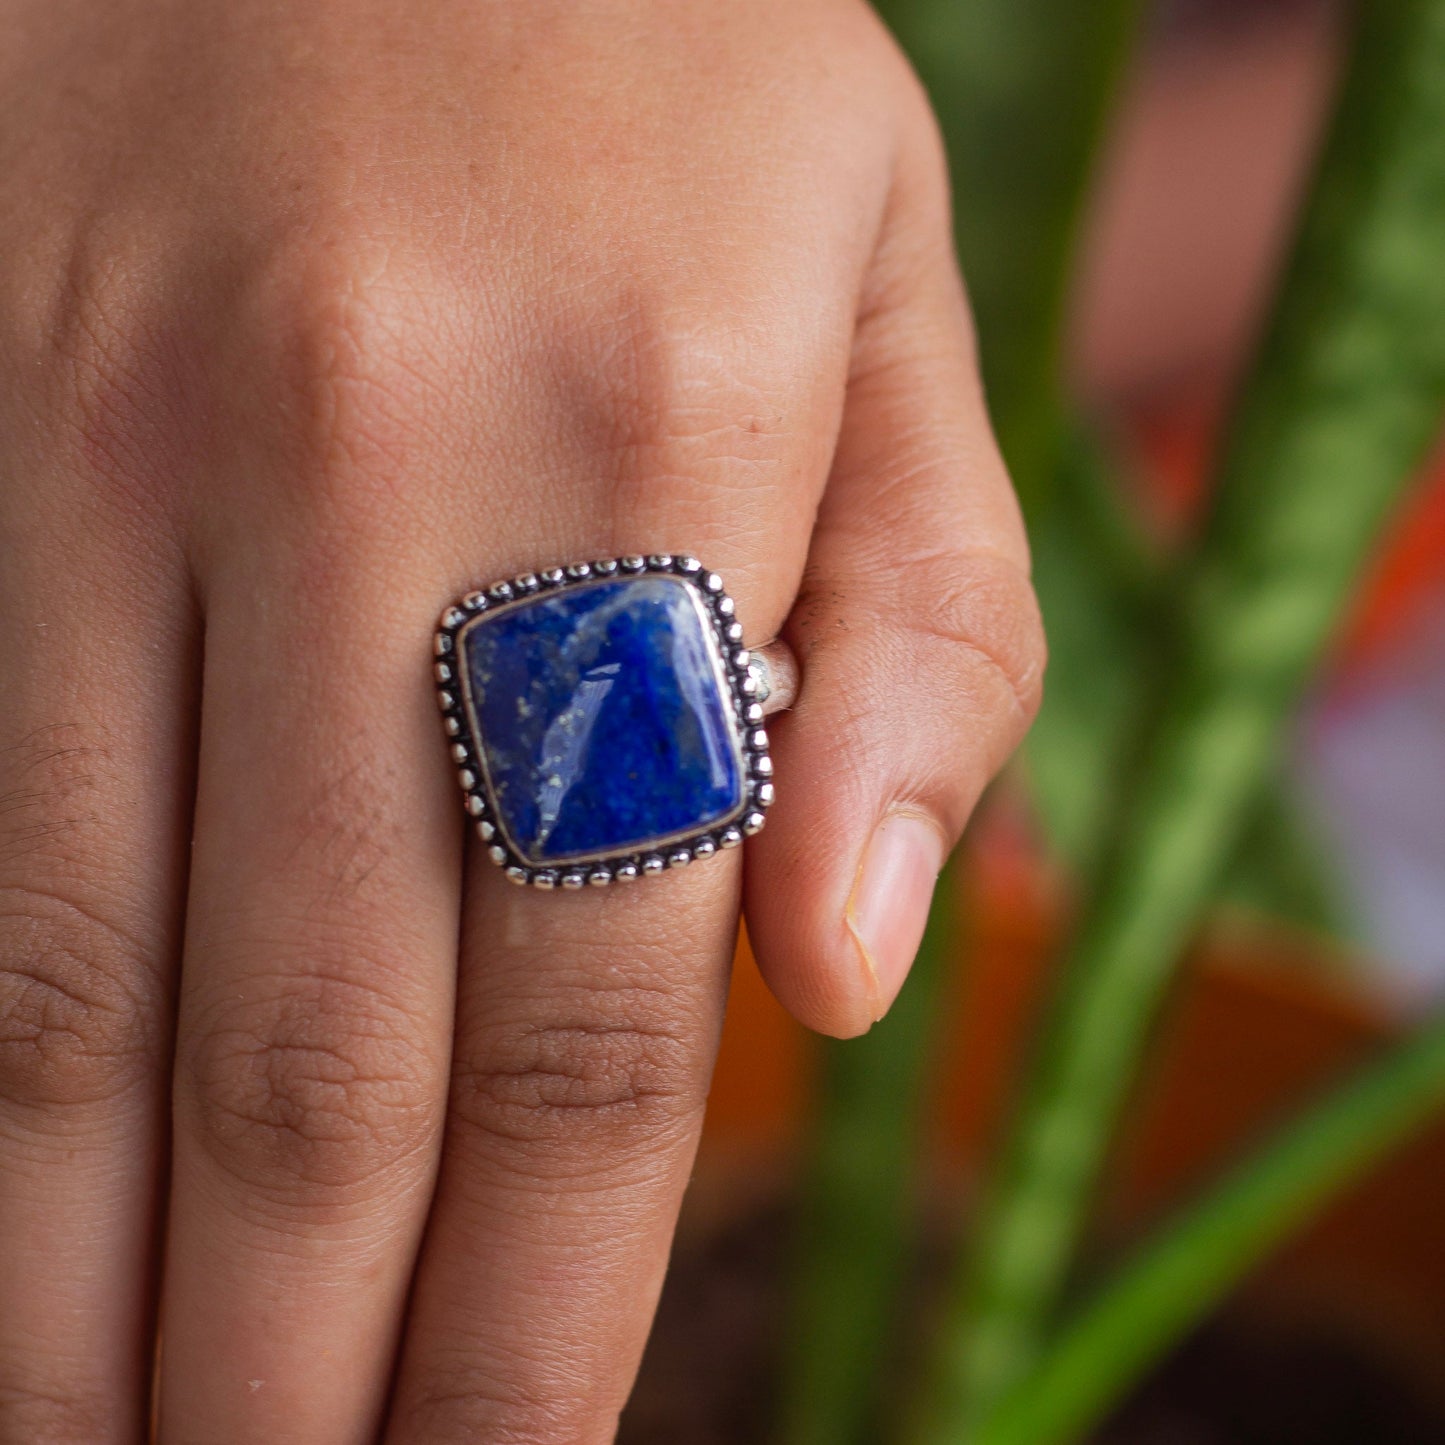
(586, 1030)
(96, 751)
(316, 1000)
(574, 1120)
(917, 634)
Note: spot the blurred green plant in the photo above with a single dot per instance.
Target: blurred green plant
(1192, 1264)
(857, 1211)
(1153, 764)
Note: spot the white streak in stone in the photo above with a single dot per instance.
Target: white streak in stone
(565, 744)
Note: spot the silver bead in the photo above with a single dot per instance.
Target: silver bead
(497, 853)
(626, 873)
(752, 823)
(446, 701)
(763, 767)
(741, 658)
(453, 617)
(660, 562)
(713, 582)
(442, 644)
(574, 881)
(553, 577)
(466, 780)
(725, 606)
(518, 875)
(475, 806)
(733, 632)
(763, 795)
(704, 849)
(502, 591)
(753, 713)
(577, 571)
(452, 727)
(459, 752)
(633, 564)
(485, 831)
(442, 672)
(474, 601)
(748, 686)
(652, 865)
(606, 567)
(600, 877)
(527, 582)
(688, 565)
(544, 880)
(729, 838)
(679, 859)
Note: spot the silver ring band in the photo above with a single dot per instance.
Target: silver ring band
(775, 669)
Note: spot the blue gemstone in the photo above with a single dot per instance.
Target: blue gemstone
(602, 719)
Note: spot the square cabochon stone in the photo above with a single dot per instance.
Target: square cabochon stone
(603, 720)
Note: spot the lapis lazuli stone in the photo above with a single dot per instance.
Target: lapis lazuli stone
(603, 721)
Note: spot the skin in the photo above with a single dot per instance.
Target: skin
(312, 317)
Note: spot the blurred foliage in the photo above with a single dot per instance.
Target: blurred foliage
(1021, 89)
(1155, 762)
(1344, 398)
(1104, 592)
(857, 1212)
(1189, 1266)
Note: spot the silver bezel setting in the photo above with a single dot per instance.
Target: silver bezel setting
(737, 677)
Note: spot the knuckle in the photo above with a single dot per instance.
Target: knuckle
(665, 373)
(357, 325)
(113, 367)
(77, 1026)
(983, 606)
(616, 1075)
(317, 1089)
(665, 394)
(94, 324)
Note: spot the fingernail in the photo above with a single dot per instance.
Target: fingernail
(888, 908)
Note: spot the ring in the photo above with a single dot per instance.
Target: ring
(605, 719)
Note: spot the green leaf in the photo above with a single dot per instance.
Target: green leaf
(1102, 590)
(1099, 588)
(1280, 870)
(1192, 1265)
(857, 1207)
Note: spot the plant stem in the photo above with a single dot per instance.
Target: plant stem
(1346, 395)
(1193, 1264)
(854, 1227)
(1103, 589)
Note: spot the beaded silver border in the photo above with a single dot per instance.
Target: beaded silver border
(600, 870)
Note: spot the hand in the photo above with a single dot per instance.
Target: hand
(313, 316)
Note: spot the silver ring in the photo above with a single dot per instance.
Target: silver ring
(605, 719)
(776, 671)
